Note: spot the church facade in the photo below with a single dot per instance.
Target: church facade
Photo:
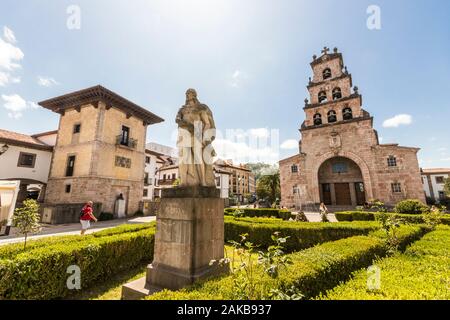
(341, 161)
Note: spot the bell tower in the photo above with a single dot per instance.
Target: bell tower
(341, 161)
(332, 98)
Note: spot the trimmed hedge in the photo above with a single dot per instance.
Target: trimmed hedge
(261, 212)
(313, 271)
(411, 206)
(301, 234)
(371, 216)
(11, 250)
(421, 273)
(41, 273)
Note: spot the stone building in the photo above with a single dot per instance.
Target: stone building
(100, 150)
(168, 174)
(242, 179)
(341, 161)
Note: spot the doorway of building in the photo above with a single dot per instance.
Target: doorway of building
(343, 196)
(326, 192)
(341, 182)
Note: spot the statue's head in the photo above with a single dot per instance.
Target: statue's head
(191, 96)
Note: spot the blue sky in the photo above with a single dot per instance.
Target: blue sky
(249, 61)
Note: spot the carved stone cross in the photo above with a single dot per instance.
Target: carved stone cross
(325, 50)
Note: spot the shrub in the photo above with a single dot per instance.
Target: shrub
(301, 234)
(300, 216)
(42, 273)
(422, 272)
(313, 270)
(369, 216)
(411, 206)
(261, 212)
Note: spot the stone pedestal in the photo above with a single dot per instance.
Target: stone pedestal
(189, 234)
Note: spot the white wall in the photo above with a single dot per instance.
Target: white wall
(437, 187)
(224, 184)
(150, 168)
(10, 170)
(426, 187)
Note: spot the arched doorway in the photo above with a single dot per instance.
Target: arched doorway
(341, 182)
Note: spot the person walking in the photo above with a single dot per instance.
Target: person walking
(87, 216)
(323, 210)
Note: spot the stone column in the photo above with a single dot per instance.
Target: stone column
(353, 194)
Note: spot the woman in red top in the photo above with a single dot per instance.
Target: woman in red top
(87, 217)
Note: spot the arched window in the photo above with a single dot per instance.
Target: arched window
(326, 73)
(317, 119)
(294, 168)
(332, 116)
(347, 114)
(322, 96)
(337, 94)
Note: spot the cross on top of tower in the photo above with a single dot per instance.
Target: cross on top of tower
(325, 50)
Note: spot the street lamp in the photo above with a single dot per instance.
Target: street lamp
(4, 149)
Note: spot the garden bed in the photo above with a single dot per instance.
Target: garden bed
(422, 272)
(372, 216)
(313, 271)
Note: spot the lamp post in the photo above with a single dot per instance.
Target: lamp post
(4, 149)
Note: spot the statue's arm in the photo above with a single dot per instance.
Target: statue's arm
(180, 121)
(209, 124)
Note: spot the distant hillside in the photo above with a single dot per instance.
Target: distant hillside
(261, 169)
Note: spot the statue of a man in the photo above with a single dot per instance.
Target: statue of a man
(196, 131)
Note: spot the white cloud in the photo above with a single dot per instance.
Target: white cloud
(241, 152)
(445, 159)
(442, 149)
(47, 81)
(260, 132)
(8, 34)
(16, 105)
(10, 57)
(237, 78)
(398, 120)
(6, 78)
(289, 144)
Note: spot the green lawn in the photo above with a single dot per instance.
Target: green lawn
(112, 288)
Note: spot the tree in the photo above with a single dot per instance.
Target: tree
(269, 187)
(260, 169)
(447, 187)
(27, 218)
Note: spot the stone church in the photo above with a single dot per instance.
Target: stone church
(341, 161)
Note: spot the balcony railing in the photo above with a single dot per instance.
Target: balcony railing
(130, 143)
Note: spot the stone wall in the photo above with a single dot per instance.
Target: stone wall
(104, 190)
